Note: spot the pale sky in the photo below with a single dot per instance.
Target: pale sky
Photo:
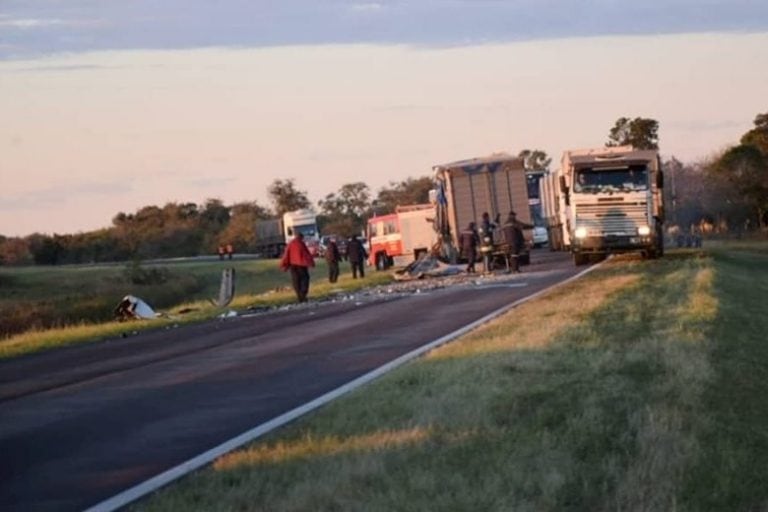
(109, 106)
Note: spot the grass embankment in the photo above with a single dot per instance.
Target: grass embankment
(641, 387)
(56, 306)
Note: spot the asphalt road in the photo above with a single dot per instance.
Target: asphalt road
(81, 424)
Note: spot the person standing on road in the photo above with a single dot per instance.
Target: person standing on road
(298, 260)
(487, 227)
(468, 242)
(513, 236)
(332, 258)
(356, 255)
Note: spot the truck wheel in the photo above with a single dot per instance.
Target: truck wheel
(660, 242)
(580, 259)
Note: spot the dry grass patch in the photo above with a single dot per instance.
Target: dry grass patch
(249, 294)
(309, 447)
(534, 324)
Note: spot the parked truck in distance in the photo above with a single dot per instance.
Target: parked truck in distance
(611, 202)
(466, 189)
(272, 235)
(402, 237)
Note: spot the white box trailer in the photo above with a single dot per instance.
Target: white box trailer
(466, 189)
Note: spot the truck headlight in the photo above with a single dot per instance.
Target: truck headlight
(644, 231)
(581, 232)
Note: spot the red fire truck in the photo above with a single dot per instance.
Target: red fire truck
(401, 237)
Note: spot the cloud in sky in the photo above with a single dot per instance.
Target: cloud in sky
(40, 27)
(60, 196)
(367, 7)
(33, 23)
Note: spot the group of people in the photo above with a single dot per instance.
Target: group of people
(226, 250)
(356, 254)
(298, 260)
(512, 244)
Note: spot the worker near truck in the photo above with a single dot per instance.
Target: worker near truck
(487, 227)
(514, 239)
(356, 255)
(468, 242)
(332, 258)
(298, 260)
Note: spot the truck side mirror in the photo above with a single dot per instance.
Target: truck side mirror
(660, 179)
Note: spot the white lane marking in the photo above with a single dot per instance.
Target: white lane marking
(153, 484)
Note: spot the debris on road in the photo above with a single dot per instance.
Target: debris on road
(433, 277)
(133, 308)
(426, 266)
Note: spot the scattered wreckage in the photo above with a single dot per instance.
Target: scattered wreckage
(131, 307)
(428, 265)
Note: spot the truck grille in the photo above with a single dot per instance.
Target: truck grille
(612, 217)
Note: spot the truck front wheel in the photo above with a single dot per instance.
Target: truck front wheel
(660, 241)
(580, 259)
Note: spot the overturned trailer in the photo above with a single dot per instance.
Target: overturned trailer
(466, 189)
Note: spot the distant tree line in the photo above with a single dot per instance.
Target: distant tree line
(724, 193)
(189, 229)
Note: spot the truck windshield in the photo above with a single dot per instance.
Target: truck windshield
(624, 179)
(306, 229)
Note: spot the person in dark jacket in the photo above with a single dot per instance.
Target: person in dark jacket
(468, 241)
(332, 258)
(298, 260)
(487, 227)
(514, 239)
(356, 255)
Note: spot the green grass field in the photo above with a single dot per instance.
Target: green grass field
(639, 387)
(47, 307)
